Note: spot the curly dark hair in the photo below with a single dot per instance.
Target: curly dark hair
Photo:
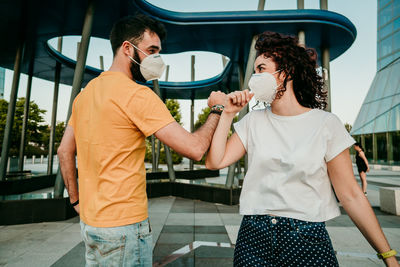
(299, 65)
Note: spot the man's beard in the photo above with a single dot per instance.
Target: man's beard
(135, 68)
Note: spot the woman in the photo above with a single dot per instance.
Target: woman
(362, 166)
(296, 151)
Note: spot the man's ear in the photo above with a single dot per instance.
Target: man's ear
(126, 48)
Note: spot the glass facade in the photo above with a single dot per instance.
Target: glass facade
(378, 121)
(388, 32)
(2, 82)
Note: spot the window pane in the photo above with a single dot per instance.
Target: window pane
(385, 31)
(387, 60)
(383, 3)
(381, 143)
(386, 46)
(396, 41)
(368, 146)
(396, 23)
(396, 146)
(385, 15)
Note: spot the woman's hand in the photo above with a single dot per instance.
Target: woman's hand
(237, 100)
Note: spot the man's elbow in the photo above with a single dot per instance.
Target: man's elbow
(63, 152)
(196, 155)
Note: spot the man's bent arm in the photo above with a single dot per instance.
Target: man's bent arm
(66, 154)
(191, 145)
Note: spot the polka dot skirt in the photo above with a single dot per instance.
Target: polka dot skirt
(265, 240)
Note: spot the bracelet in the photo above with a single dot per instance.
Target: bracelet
(75, 203)
(387, 254)
(216, 112)
(217, 109)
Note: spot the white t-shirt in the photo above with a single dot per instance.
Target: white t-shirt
(287, 174)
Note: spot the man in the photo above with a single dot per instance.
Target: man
(110, 120)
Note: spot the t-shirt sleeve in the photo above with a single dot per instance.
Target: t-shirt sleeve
(242, 130)
(338, 138)
(148, 112)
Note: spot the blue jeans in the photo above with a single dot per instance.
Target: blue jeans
(129, 245)
(265, 240)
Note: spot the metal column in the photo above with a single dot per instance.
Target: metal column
(389, 147)
(158, 141)
(374, 148)
(54, 111)
(326, 75)
(261, 4)
(11, 111)
(243, 112)
(78, 77)
(363, 141)
(26, 115)
(171, 171)
(192, 78)
(325, 63)
(323, 4)
(102, 63)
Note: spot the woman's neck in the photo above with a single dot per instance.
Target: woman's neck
(288, 105)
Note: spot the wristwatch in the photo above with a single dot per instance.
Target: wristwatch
(388, 254)
(217, 109)
(75, 203)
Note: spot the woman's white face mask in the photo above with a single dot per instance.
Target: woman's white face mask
(264, 86)
(152, 66)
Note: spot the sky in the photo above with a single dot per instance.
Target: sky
(351, 73)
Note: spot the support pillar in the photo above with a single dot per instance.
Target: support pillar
(168, 156)
(300, 4)
(389, 147)
(11, 111)
(26, 115)
(102, 63)
(363, 141)
(192, 78)
(326, 74)
(261, 4)
(244, 84)
(323, 4)
(374, 148)
(54, 111)
(302, 38)
(158, 141)
(78, 78)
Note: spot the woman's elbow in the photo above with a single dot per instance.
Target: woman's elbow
(210, 166)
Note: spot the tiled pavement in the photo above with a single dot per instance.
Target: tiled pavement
(185, 233)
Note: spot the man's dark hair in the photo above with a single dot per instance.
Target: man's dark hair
(131, 28)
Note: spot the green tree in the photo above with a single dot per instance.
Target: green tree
(35, 127)
(174, 108)
(201, 119)
(60, 128)
(348, 127)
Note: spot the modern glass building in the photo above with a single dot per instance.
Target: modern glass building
(2, 81)
(377, 126)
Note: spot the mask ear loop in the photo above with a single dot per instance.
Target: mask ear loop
(258, 102)
(138, 48)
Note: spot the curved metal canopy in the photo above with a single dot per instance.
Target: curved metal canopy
(227, 33)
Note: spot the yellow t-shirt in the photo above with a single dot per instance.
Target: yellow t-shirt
(111, 118)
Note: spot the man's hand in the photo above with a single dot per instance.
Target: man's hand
(77, 209)
(217, 98)
(237, 100)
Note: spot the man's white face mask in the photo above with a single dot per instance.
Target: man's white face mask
(264, 86)
(151, 67)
